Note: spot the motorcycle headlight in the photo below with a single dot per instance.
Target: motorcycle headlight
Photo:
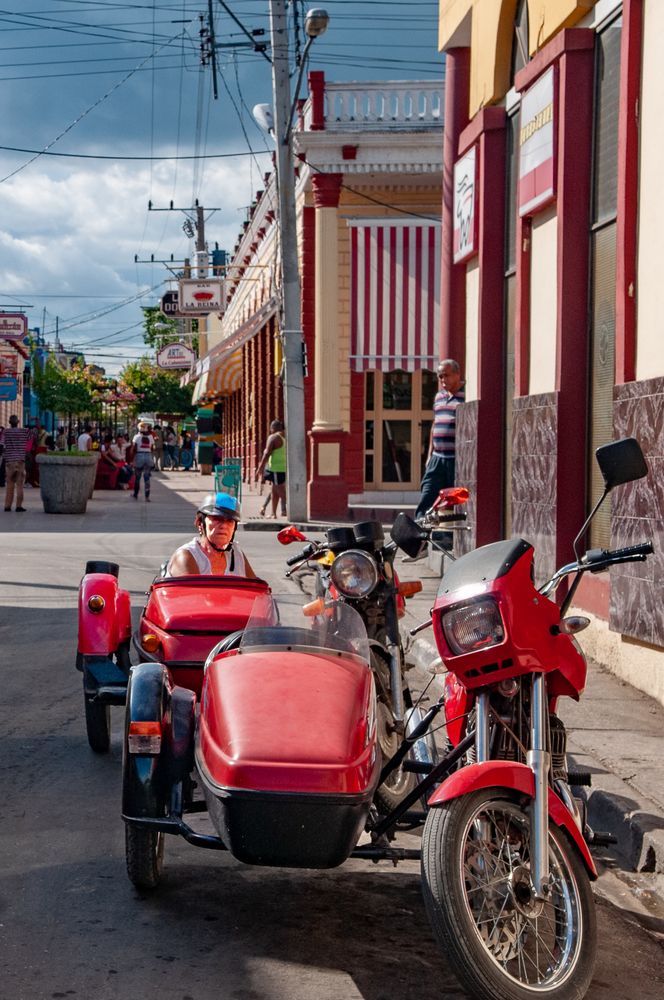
(473, 626)
(354, 573)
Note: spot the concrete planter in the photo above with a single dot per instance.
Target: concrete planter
(66, 481)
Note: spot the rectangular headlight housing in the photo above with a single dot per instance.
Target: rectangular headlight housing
(473, 626)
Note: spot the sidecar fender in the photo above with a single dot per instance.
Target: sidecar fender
(518, 778)
(123, 608)
(147, 779)
(98, 632)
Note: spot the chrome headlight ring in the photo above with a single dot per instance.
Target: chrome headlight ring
(354, 573)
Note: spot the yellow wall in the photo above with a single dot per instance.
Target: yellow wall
(543, 289)
(487, 26)
(649, 353)
(472, 328)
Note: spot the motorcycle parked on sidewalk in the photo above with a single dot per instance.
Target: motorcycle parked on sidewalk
(356, 565)
(505, 861)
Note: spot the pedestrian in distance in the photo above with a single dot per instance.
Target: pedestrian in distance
(158, 435)
(171, 446)
(61, 440)
(143, 459)
(439, 471)
(84, 441)
(274, 459)
(17, 441)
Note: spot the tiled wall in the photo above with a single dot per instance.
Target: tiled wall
(465, 470)
(534, 493)
(636, 607)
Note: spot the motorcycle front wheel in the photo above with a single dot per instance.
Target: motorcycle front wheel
(502, 942)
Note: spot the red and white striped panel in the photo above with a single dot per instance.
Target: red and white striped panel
(395, 296)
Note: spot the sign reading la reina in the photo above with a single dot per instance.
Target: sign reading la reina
(13, 326)
(199, 296)
(175, 356)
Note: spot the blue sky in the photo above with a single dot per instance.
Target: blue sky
(120, 85)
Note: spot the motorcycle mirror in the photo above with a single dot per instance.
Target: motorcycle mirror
(621, 462)
(290, 534)
(408, 535)
(451, 496)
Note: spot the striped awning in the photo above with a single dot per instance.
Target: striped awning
(226, 377)
(395, 295)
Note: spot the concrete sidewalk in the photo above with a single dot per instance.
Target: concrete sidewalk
(616, 732)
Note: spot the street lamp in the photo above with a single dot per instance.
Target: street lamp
(291, 330)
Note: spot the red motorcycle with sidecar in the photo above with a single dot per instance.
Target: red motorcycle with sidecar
(182, 619)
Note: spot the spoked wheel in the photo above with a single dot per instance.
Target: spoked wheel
(98, 725)
(144, 851)
(502, 942)
(398, 784)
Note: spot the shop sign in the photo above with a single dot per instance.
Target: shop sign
(8, 389)
(175, 356)
(8, 364)
(169, 304)
(200, 297)
(13, 326)
(537, 145)
(465, 206)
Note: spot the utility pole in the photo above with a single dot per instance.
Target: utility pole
(291, 322)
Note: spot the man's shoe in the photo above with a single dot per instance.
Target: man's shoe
(7, 508)
(20, 510)
(422, 554)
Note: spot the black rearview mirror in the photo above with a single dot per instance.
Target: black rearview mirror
(621, 462)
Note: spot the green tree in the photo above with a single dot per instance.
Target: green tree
(159, 330)
(61, 390)
(159, 391)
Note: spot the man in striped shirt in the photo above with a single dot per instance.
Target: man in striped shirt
(16, 441)
(439, 471)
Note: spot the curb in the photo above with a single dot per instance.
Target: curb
(614, 805)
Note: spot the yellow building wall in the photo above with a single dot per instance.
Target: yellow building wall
(488, 25)
(649, 352)
(543, 307)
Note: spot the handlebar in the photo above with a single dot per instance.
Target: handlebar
(596, 559)
(306, 552)
(447, 518)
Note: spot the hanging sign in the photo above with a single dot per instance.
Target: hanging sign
(536, 145)
(8, 389)
(197, 297)
(13, 326)
(175, 356)
(8, 364)
(169, 304)
(465, 201)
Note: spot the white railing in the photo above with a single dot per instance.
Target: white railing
(380, 105)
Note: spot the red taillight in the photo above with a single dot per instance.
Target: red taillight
(144, 737)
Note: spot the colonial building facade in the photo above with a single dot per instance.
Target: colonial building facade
(551, 285)
(368, 206)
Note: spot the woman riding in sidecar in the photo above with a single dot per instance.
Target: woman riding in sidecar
(203, 593)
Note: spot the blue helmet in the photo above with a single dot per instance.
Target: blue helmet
(221, 505)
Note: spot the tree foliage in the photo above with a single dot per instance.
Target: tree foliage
(159, 391)
(154, 334)
(63, 390)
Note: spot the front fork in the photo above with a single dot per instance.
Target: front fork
(539, 761)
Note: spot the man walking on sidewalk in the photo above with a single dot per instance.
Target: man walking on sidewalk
(16, 441)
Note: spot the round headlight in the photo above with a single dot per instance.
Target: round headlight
(354, 573)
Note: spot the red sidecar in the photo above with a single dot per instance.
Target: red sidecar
(182, 620)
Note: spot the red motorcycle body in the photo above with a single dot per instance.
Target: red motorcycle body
(286, 750)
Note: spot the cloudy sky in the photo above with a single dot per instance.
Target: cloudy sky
(118, 86)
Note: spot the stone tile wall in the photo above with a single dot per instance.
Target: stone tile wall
(636, 605)
(534, 470)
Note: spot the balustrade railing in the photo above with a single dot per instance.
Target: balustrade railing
(347, 106)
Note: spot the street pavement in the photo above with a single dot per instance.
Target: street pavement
(615, 731)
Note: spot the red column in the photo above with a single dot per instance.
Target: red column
(453, 277)
(317, 92)
(628, 187)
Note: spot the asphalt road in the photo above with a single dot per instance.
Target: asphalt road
(72, 925)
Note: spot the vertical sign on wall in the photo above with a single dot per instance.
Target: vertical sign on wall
(537, 145)
(465, 215)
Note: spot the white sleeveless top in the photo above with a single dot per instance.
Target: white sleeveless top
(234, 559)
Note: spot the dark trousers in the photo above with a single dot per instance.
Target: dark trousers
(438, 475)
